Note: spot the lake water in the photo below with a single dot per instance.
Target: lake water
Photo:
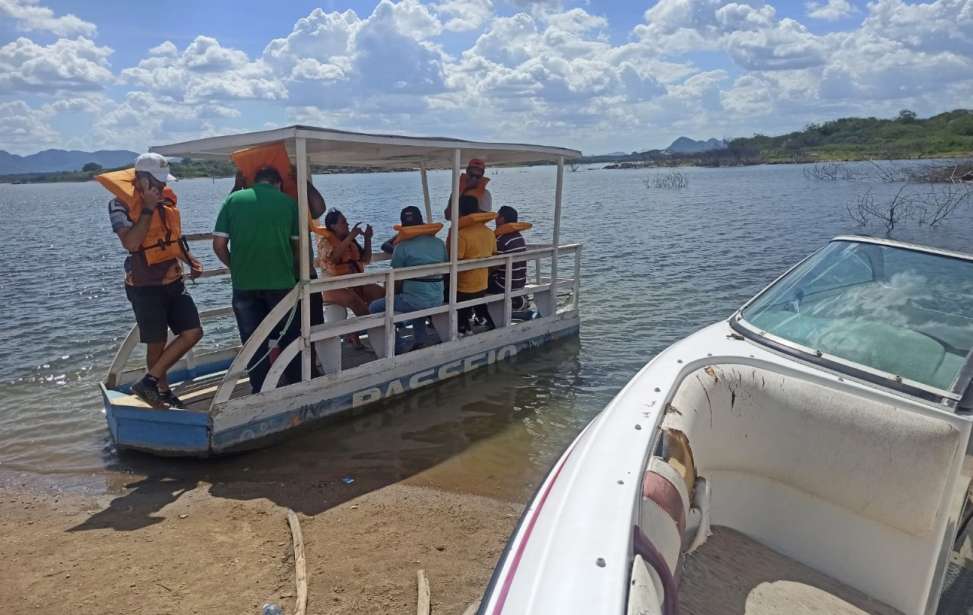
(657, 265)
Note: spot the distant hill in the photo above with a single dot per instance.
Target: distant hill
(946, 135)
(58, 160)
(685, 145)
(860, 138)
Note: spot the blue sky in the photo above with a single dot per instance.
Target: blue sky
(599, 76)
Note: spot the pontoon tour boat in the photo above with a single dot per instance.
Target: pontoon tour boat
(809, 455)
(221, 413)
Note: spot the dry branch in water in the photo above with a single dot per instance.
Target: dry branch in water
(939, 203)
(671, 180)
(830, 171)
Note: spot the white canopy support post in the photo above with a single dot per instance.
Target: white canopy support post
(389, 331)
(425, 191)
(304, 245)
(557, 231)
(454, 248)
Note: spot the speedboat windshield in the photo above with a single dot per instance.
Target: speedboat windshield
(901, 311)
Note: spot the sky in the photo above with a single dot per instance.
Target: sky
(597, 75)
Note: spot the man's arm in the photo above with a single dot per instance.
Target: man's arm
(315, 201)
(296, 250)
(221, 246)
(366, 255)
(133, 236)
(195, 267)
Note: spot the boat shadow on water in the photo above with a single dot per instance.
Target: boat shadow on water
(390, 441)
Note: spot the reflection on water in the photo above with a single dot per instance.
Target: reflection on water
(656, 266)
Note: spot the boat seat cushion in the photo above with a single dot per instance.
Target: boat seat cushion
(879, 461)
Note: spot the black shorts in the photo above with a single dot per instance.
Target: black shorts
(158, 308)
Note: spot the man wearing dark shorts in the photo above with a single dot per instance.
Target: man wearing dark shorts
(156, 291)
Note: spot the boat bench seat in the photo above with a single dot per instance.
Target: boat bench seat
(881, 462)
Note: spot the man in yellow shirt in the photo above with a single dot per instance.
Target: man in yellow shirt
(475, 241)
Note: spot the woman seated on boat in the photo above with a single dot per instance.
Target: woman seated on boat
(340, 254)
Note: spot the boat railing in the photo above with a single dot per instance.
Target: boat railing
(381, 327)
(326, 338)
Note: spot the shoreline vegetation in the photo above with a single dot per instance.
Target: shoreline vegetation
(905, 137)
(184, 169)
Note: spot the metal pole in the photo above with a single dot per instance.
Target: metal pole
(577, 276)
(557, 231)
(304, 245)
(425, 191)
(453, 248)
(390, 335)
(508, 268)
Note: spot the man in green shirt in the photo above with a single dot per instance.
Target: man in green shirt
(260, 225)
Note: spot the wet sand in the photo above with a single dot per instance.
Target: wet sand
(199, 552)
(436, 480)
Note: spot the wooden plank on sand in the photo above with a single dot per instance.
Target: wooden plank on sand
(299, 562)
(423, 607)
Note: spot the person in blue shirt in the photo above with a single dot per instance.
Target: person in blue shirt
(415, 244)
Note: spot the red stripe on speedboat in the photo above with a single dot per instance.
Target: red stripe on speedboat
(509, 579)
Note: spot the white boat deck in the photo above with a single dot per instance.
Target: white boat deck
(197, 394)
(732, 574)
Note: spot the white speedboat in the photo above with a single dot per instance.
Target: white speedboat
(809, 455)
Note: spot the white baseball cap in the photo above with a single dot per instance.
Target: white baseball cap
(156, 165)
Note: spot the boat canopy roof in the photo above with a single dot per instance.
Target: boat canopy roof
(330, 147)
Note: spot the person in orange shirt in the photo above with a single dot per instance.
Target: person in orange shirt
(475, 241)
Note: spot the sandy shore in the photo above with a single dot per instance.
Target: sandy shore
(177, 549)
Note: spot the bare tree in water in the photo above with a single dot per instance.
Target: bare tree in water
(889, 213)
(928, 206)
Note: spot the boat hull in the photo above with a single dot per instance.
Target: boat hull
(258, 420)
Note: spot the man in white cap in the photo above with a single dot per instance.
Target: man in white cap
(148, 225)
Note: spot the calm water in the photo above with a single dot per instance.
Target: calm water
(657, 265)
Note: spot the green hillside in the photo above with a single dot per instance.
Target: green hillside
(943, 135)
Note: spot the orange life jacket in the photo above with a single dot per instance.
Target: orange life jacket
(404, 233)
(476, 190)
(350, 260)
(511, 227)
(163, 241)
(252, 159)
(476, 218)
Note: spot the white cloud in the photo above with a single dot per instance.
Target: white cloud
(465, 15)
(784, 45)
(204, 70)
(332, 60)
(145, 118)
(66, 64)
(29, 16)
(830, 10)
(940, 26)
(24, 128)
(168, 48)
(205, 54)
